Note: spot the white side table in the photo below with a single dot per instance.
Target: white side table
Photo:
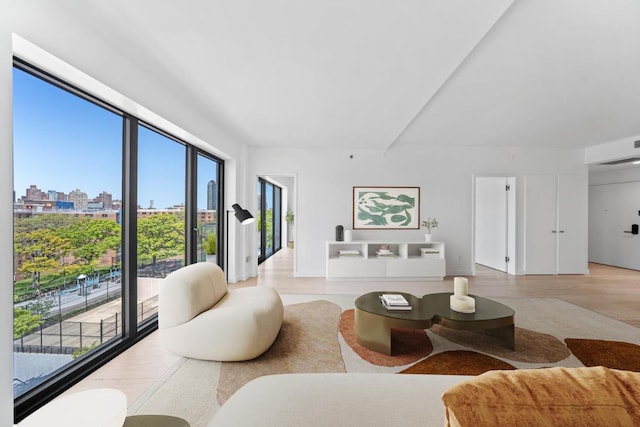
(102, 407)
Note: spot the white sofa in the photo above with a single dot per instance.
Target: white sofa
(200, 318)
(562, 396)
(354, 399)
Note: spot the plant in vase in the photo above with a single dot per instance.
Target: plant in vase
(429, 224)
(290, 218)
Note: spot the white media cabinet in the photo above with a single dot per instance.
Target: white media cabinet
(360, 259)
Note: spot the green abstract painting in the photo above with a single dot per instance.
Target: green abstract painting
(386, 207)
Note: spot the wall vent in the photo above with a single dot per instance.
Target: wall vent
(636, 144)
(619, 162)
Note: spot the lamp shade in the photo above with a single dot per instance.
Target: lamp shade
(243, 215)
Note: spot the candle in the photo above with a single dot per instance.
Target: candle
(460, 286)
(347, 235)
(462, 303)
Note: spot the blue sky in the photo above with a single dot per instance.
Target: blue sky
(63, 142)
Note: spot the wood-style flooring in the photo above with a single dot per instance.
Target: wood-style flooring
(614, 292)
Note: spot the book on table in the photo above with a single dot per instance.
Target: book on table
(395, 302)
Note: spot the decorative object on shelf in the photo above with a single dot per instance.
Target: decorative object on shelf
(348, 253)
(348, 235)
(429, 223)
(384, 251)
(339, 233)
(460, 300)
(290, 219)
(386, 208)
(430, 252)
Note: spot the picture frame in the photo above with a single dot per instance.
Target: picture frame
(386, 208)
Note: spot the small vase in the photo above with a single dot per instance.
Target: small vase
(427, 237)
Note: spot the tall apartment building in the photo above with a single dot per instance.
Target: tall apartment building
(212, 196)
(79, 198)
(106, 199)
(34, 193)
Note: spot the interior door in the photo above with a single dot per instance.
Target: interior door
(572, 224)
(541, 208)
(491, 222)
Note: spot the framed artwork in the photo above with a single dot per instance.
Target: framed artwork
(386, 208)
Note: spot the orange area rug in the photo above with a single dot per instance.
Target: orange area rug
(610, 354)
(457, 362)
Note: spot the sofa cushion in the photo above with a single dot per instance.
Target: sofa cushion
(593, 396)
(188, 291)
(337, 399)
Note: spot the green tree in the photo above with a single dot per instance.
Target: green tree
(91, 238)
(24, 321)
(40, 249)
(160, 236)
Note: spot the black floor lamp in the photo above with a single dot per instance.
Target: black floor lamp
(244, 217)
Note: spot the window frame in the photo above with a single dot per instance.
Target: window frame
(132, 332)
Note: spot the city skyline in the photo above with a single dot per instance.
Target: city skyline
(63, 142)
(45, 196)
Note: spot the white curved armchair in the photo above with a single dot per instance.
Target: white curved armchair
(200, 318)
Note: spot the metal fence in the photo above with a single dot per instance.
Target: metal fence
(66, 337)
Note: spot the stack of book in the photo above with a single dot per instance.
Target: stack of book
(348, 253)
(385, 253)
(430, 252)
(395, 302)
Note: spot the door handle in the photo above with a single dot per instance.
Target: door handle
(554, 231)
(562, 231)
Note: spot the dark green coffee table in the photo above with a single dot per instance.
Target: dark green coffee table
(373, 322)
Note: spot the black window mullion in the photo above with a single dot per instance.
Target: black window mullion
(191, 207)
(129, 224)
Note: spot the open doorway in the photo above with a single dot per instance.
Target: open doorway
(494, 223)
(283, 229)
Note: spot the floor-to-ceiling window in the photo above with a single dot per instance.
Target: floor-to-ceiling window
(103, 209)
(67, 186)
(270, 219)
(160, 214)
(209, 175)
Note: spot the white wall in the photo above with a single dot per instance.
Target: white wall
(445, 175)
(6, 224)
(614, 204)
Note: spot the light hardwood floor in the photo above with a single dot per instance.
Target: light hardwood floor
(611, 291)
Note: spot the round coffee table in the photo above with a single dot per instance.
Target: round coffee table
(373, 322)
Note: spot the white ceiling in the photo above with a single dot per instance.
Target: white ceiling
(383, 74)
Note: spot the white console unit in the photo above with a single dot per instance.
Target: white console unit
(371, 259)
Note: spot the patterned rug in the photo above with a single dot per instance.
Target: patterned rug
(441, 350)
(317, 336)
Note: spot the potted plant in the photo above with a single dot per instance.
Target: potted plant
(289, 218)
(429, 224)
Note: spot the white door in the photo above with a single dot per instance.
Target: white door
(573, 205)
(491, 222)
(541, 195)
(556, 224)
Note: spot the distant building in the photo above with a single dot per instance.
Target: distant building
(212, 196)
(106, 199)
(79, 199)
(34, 193)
